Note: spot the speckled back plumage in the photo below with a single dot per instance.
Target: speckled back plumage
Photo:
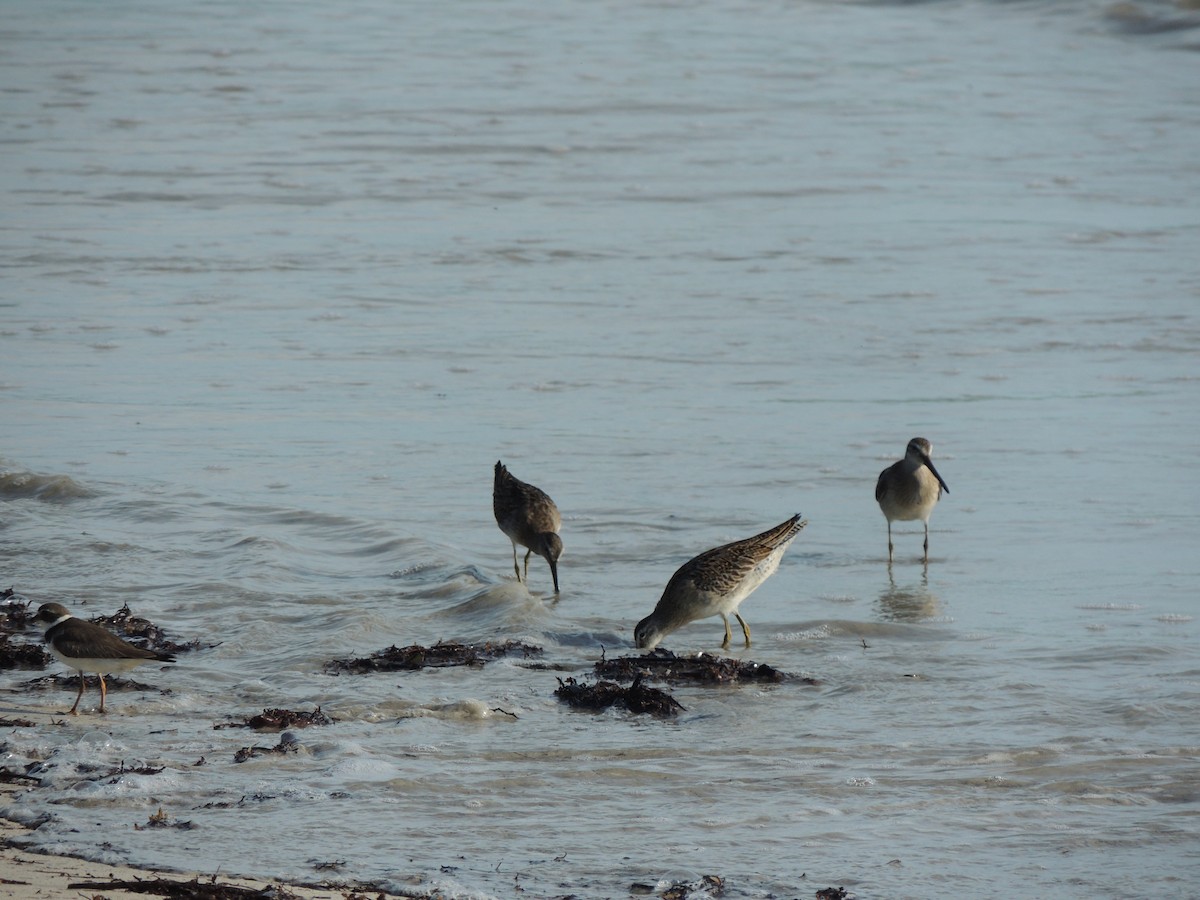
(529, 517)
(722, 569)
(716, 582)
(521, 508)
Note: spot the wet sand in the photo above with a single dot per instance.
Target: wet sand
(37, 876)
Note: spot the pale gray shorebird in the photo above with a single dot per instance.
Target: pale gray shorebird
(909, 489)
(87, 647)
(529, 517)
(715, 583)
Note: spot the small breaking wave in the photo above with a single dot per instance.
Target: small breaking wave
(51, 488)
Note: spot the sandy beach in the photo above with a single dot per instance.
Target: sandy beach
(36, 876)
(33, 876)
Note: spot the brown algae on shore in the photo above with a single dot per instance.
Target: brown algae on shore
(702, 668)
(441, 654)
(637, 698)
(279, 719)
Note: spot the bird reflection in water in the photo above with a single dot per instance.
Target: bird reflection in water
(908, 602)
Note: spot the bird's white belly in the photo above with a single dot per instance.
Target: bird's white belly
(105, 666)
(907, 512)
(905, 503)
(727, 604)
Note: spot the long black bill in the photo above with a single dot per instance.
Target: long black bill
(929, 462)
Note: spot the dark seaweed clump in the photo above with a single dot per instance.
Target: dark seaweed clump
(279, 719)
(703, 668)
(184, 890)
(15, 614)
(443, 653)
(287, 744)
(214, 890)
(16, 618)
(22, 656)
(81, 771)
(161, 820)
(8, 776)
(706, 886)
(144, 633)
(637, 698)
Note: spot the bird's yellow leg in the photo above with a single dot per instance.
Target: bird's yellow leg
(745, 627)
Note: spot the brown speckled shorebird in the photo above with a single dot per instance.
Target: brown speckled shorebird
(529, 517)
(715, 583)
(909, 489)
(87, 647)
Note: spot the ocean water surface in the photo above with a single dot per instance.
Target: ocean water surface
(282, 283)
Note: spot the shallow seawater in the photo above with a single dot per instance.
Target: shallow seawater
(282, 284)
